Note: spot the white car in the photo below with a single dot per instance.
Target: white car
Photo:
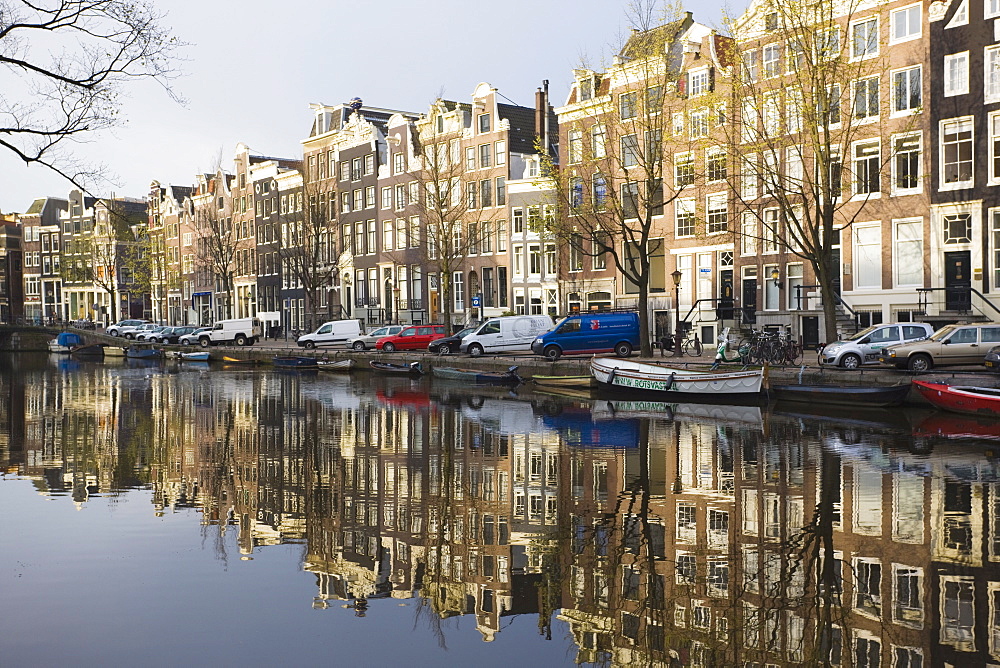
(366, 341)
(146, 332)
(122, 326)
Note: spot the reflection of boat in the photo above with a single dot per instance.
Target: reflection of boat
(841, 395)
(201, 356)
(65, 342)
(402, 398)
(566, 381)
(584, 429)
(226, 359)
(137, 353)
(983, 401)
(677, 411)
(954, 426)
(411, 369)
(508, 377)
(340, 366)
(293, 362)
(625, 376)
(88, 350)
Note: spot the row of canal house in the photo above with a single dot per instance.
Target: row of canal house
(704, 539)
(909, 124)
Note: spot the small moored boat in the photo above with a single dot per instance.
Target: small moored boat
(293, 362)
(339, 366)
(508, 377)
(411, 369)
(88, 350)
(843, 395)
(200, 356)
(565, 381)
(624, 376)
(65, 342)
(137, 353)
(966, 399)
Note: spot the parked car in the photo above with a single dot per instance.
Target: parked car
(992, 360)
(952, 344)
(449, 344)
(241, 331)
(170, 334)
(335, 332)
(506, 334)
(590, 333)
(864, 347)
(143, 332)
(192, 338)
(413, 337)
(366, 341)
(123, 326)
(85, 323)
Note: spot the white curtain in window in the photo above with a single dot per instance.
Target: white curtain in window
(909, 253)
(867, 257)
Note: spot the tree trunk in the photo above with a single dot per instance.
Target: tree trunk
(446, 301)
(645, 345)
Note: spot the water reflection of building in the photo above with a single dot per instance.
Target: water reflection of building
(714, 538)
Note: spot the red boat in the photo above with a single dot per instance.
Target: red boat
(961, 398)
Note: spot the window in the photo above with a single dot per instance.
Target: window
(501, 187)
(992, 8)
(906, 90)
(867, 652)
(904, 24)
(909, 253)
(400, 196)
(359, 199)
(369, 164)
(684, 169)
(458, 288)
(576, 253)
(485, 155)
(575, 141)
(867, 256)
(500, 151)
(715, 164)
(958, 611)
(684, 217)
(626, 105)
(957, 228)
(484, 123)
(699, 123)
(906, 164)
(472, 195)
(718, 213)
(630, 199)
(907, 595)
(630, 151)
(956, 153)
(486, 192)
(868, 586)
(699, 82)
(866, 98)
(771, 229)
(956, 74)
(907, 657)
(864, 38)
(654, 99)
(387, 198)
(400, 233)
(749, 178)
(827, 43)
(597, 140)
(866, 168)
(470, 157)
(387, 240)
(751, 65)
(829, 106)
(991, 82)
(370, 197)
(600, 187)
(345, 171)
(772, 60)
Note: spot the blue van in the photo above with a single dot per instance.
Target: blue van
(589, 333)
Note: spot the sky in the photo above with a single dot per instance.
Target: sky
(252, 67)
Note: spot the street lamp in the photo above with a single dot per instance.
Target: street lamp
(678, 335)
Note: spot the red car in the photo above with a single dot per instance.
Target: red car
(414, 337)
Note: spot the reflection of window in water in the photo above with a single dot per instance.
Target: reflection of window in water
(867, 585)
(907, 587)
(958, 618)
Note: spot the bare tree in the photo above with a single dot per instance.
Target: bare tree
(217, 244)
(69, 62)
(799, 138)
(625, 159)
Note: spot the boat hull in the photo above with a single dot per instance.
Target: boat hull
(477, 377)
(649, 380)
(396, 369)
(191, 357)
(836, 395)
(582, 382)
(143, 354)
(337, 366)
(295, 362)
(968, 400)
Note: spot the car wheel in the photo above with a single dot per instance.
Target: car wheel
(129, 337)
(113, 333)
(623, 349)
(204, 342)
(240, 340)
(388, 347)
(309, 345)
(184, 342)
(475, 350)
(359, 346)
(920, 362)
(552, 353)
(850, 361)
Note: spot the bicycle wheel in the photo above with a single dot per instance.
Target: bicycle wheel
(696, 347)
(793, 353)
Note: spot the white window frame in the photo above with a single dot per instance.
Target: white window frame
(894, 110)
(698, 82)
(904, 13)
(991, 75)
(716, 204)
(869, 115)
(866, 54)
(856, 261)
(894, 188)
(991, 9)
(956, 74)
(964, 122)
(855, 147)
(685, 207)
(910, 224)
(914, 620)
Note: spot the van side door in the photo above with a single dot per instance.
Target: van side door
(879, 339)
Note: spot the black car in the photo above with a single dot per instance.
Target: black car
(449, 344)
(172, 334)
(992, 360)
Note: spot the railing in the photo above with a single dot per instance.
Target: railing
(960, 296)
(836, 300)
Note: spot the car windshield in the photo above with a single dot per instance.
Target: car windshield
(863, 333)
(381, 331)
(942, 333)
(462, 333)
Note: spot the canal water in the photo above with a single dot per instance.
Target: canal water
(160, 514)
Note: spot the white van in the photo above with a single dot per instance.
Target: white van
(333, 333)
(505, 334)
(241, 331)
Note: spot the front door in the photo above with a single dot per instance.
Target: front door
(750, 300)
(957, 281)
(725, 311)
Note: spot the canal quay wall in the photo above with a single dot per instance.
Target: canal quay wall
(35, 339)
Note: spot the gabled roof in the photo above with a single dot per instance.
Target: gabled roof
(522, 126)
(655, 41)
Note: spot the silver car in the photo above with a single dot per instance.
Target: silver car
(865, 346)
(368, 341)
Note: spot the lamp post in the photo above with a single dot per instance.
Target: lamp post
(678, 334)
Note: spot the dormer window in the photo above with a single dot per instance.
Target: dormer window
(484, 123)
(586, 89)
(440, 124)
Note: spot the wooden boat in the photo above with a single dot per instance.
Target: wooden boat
(200, 356)
(966, 399)
(137, 353)
(508, 377)
(411, 369)
(88, 350)
(565, 381)
(844, 395)
(339, 366)
(226, 359)
(293, 362)
(625, 376)
(65, 342)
